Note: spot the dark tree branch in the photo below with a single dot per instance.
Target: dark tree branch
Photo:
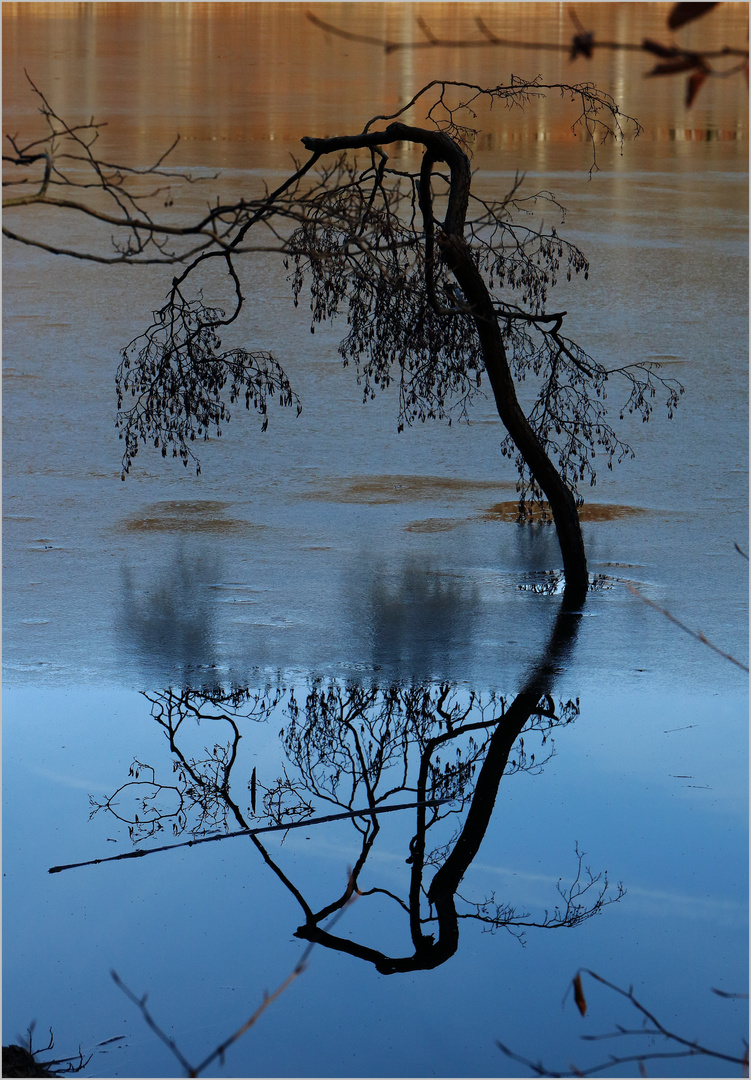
(675, 59)
(651, 1029)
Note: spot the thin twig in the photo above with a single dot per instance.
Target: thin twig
(687, 629)
(688, 1047)
(219, 1051)
(267, 1000)
(141, 1003)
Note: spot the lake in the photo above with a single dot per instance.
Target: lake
(183, 648)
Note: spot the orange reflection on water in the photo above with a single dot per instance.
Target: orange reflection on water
(231, 75)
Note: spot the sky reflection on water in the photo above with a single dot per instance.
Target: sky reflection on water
(215, 923)
(332, 548)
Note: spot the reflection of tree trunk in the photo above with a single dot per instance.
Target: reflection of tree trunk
(431, 952)
(458, 257)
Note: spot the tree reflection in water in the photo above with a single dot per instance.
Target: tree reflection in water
(357, 745)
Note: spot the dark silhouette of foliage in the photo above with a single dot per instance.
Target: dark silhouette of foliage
(179, 378)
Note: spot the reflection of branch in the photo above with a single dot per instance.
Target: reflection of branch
(454, 859)
(651, 1028)
(572, 913)
(363, 746)
(368, 811)
(687, 629)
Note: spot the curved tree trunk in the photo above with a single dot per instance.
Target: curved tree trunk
(562, 502)
(458, 257)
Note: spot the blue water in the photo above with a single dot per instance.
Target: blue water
(332, 548)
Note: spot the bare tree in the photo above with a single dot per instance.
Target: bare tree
(440, 288)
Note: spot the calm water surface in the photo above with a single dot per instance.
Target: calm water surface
(333, 549)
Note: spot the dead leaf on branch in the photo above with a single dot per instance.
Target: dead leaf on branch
(665, 51)
(581, 1001)
(677, 64)
(695, 83)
